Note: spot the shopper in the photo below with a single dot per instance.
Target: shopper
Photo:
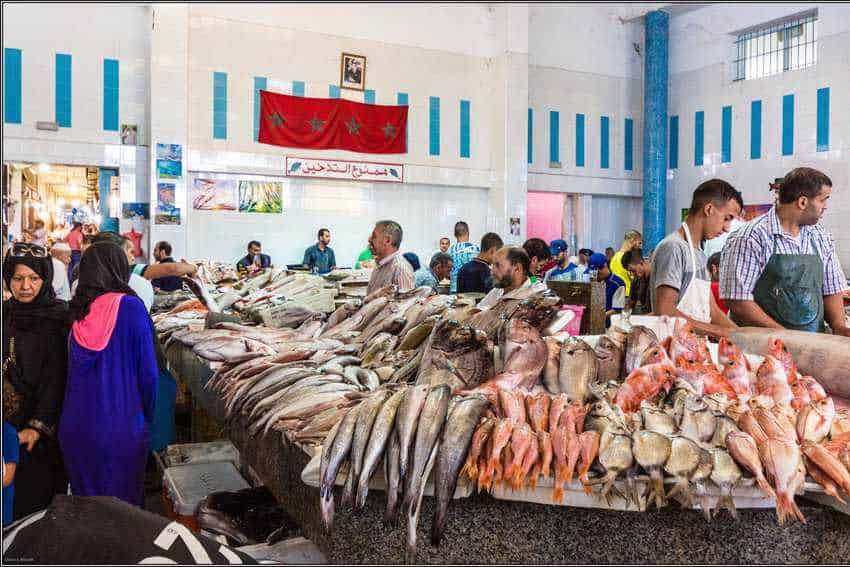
(633, 240)
(476, 277)
(38, 235)
(615, 288)
(511, 275)
(609, 253)
(440, 269)
(61, 258)
(75, 241)
(462, 251)
(255, 259)
(162, 254)
(679, 282)
(11, 445)
(584, 255)
(562, 266)
(392, 268)
(445, 243)
(639, 269)
(538, 253)
(319, 258)
(413, 260)
(35, 337)
(112, 379)
(139, 284)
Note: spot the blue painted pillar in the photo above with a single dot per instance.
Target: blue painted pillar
(655, 129)
(106, 222)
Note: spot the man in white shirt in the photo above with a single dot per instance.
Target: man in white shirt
(61, 253)
(511, 269)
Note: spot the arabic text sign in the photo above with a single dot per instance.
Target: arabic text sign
(340, 169)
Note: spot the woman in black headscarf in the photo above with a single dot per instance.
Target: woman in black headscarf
(35, 341)
(112, 378)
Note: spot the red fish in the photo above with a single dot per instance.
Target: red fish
(643, 383)
(712, 380)
(772, 380)
(736, 367)
(776, 349)
(683, 342)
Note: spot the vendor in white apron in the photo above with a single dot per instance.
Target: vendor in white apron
(679, 282)
(780, 270)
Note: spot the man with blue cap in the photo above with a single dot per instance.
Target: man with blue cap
(615, 287)
(563, 265)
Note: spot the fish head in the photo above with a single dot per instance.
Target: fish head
(772, 370)
(654, 354)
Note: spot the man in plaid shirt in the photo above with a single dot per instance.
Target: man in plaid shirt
(780, 270)
(462, 251)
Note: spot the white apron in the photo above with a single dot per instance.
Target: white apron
(696, 301)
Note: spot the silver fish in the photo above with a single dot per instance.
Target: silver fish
(382, 430)
(725, 474)
(651, 451)
(407, 420)
(640, 338)
(362, 431)
(393, 481)
(338, 451)
(578, 369)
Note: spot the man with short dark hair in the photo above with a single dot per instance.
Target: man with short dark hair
(632, 240)
(475, 276)
(538, 252)
(392, 268)
(780, 270)
(638, 269)
(511, 271)
(440, 269)
(255, 259)
(678, 283)
(319, 258)
(584, 255)
(462, 251)
(162, 254)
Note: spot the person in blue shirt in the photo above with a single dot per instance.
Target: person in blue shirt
(320, 258)
(615, 288)
(11, 445)
(462, 251)
(440, 269)
(563, 266)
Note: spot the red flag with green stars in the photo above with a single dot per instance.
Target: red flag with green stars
(332, 124)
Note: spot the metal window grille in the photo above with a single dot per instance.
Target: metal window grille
(777, 47)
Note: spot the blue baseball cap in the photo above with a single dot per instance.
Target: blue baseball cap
(557, 246)
(597, 261)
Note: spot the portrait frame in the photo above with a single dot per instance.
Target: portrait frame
(347, 77)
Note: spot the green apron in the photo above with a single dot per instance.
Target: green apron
(790, 290)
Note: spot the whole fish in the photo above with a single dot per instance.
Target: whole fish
(431, 422)
(651, 450)
(611, 356)
(513, 405)
(814, 421)
(338, 451)
(479, 441)
(657, 420)
(640, 339)
(407, 419)
(537, 407)
(698, 422)
(363, 376)
(499, 439)
(589, 443)
(742, 447)
(453, 450)
(705, 376)
(524, 351)
(683, 460)
(559, 405)
(823, 479)
(553, 363)
(522, 437)
(369, 409)
(393, 480)
(417, 335)
(545, 450)
(736, 367)
(699, 478)
(382, 430)
(781, 460)
(829, 464)
(578, 368)
(723, 425)
(615, 456)
(684, 343)
(380, 345)
(359, 320)
(726, 475)
(642, 384)
(343, 312)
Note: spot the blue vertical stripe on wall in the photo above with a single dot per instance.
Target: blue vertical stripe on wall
(529, 152)
(219, 106)
(401, 100)
(110, 94)
(554, 135)
(12, 85)
(726, 135)
(579, 140)
(788, 125)
(755, 129)
(434, 125)
(628, 149)
(464, 128)
(604, 144)
(699, 137)
(674, 142)
(823, 120)
(63, 90)
(298, 88)
(260, 84)
(333, 91)
(369, 96)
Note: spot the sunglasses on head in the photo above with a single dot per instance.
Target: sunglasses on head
(21, 249)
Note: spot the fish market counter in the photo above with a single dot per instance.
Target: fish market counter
(482, 529)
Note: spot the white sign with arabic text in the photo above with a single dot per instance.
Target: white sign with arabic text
(342, 169)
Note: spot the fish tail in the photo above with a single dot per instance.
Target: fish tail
(706, 508)
(765, 486)
(362, 492)
(726, 501)
(327, 509)
(391, 511)
(438, 525)
(558, 493)
(796, 511)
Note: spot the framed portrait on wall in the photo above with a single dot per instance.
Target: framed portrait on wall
(352, 72)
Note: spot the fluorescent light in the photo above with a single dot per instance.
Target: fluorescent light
(44, 168)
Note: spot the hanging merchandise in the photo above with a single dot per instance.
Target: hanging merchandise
(329, 123)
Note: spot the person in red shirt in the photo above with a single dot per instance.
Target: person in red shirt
(714, 271)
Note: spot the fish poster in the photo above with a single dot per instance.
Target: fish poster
(169, 169)
(167, 216)
(134, 210)
(260, 197)
(169, 152)
(165, 195)
(214, 195)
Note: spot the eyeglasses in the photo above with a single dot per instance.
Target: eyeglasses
(21, 249)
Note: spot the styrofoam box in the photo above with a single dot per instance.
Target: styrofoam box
(195, 453)
(187, 485)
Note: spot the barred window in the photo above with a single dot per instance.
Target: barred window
(777, 47)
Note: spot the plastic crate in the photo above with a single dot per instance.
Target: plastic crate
(183, 488)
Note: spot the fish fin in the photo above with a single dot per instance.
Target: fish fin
(727, 502)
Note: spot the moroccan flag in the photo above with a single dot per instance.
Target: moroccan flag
(332, 124)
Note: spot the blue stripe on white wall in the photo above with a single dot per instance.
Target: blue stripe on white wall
(219, 106)
(554, 135)
(110, 95)
(63, 90)
(726, 135)
(333, 91)
(401, 100)
(823, 120)
(260, 84)
(755, 129)
(434, 125)
(674, 142)
(464, 128)
(699, 137)
(579, 140)
(298, 88)
(529, 152)
(788, 125)
(369, 96)
(12, 85)
(604, 144)
(628, 143)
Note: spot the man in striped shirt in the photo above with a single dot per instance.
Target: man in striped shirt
(392, 268)
(462, 251)
(780, 270)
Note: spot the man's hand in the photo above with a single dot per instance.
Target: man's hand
(29, 437)
(844, 332)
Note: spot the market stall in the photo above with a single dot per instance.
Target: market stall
(465, 393)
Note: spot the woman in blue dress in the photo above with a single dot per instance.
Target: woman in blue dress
(104, 431)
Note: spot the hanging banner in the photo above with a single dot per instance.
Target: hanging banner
(332, 123)
(341, 169)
